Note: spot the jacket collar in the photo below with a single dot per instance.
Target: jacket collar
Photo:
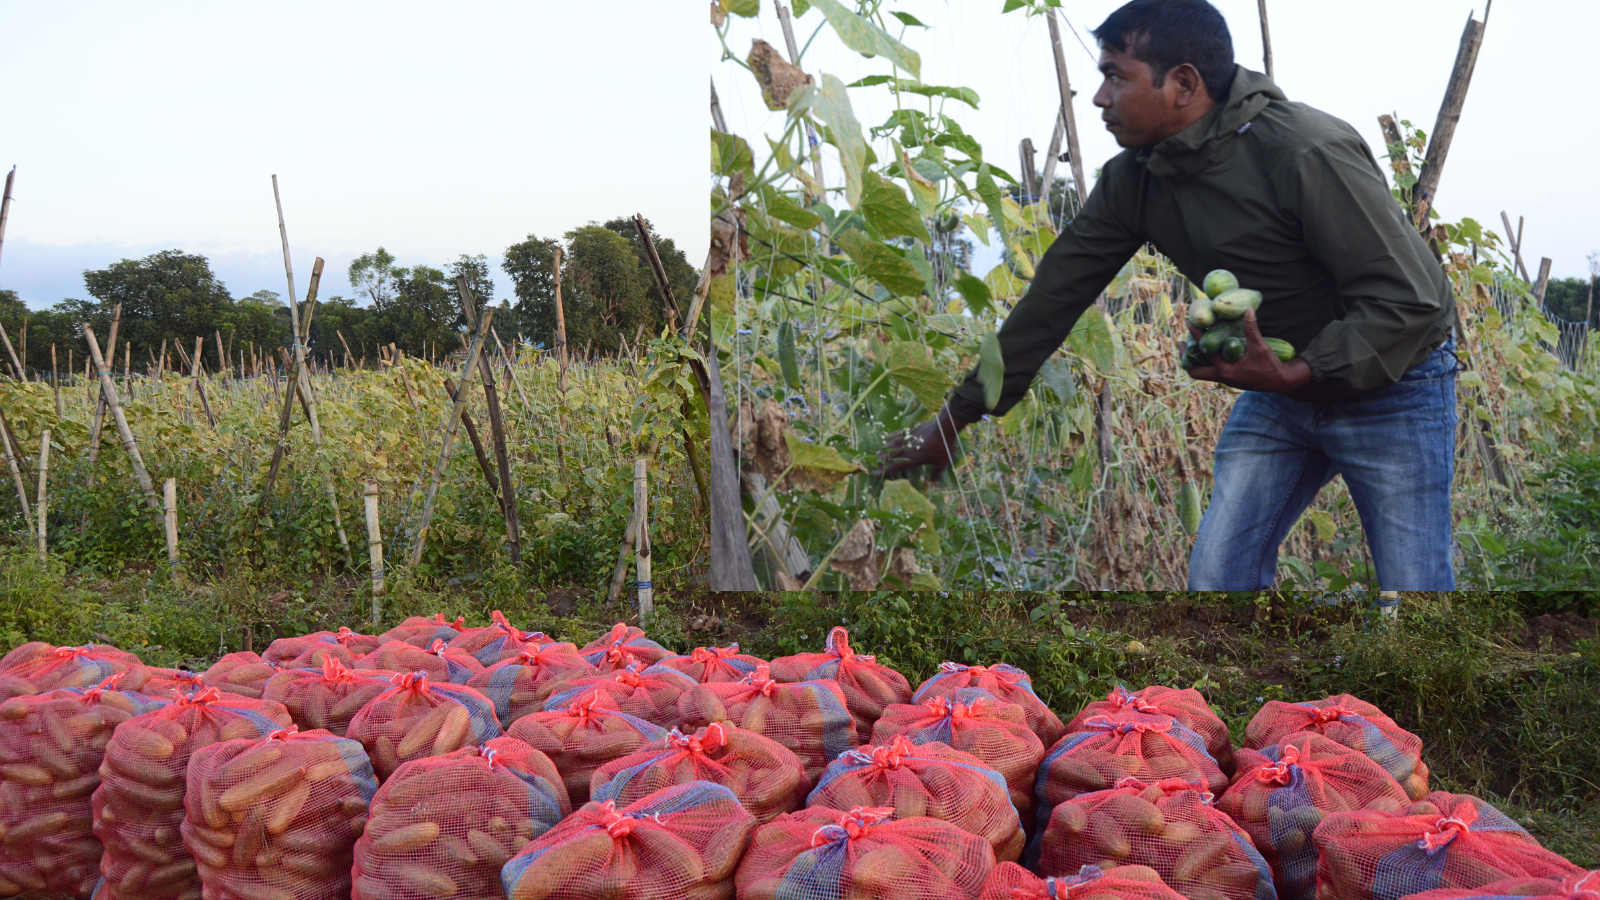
(1191, 150)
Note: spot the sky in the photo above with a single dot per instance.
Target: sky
(431, 129)
(1517, 147)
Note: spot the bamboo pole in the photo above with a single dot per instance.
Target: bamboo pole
(561, 328)
(55, 378)
(347, 353)
(400, 361)
(641, 544)
(369, 499)
(474, 349)
(44, 476)
(5, 204)
(146, 486)
(731, 568)
(619, 574)
(286, 417)
(477, 443)
(1543, 282)
(169, 497)
(16, 364)
(511, 367)
(199, 384)
(1444, 127)
(13, 452)
(669, 302)
(1266, 38)
(497, 433)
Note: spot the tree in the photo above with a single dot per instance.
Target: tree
(257, 319)
(680, 274)
(335, 316)
(170, 294)
(374, 274)
(608, 296)
(531, 265)
(419, 316)
(476, 270)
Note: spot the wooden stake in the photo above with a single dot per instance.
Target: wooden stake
(400, 362)
(497, 433)
(369, 498)
(12, 454)
(169, 496)
(1266, 38)
(44, 474)
(347, 353)
(1444, 128)
(474, 349)
(619, 573)
(669, 302)
(16, 364)
(199, 385)
(161, 367)
(146, 486)
(288, 269)
(511, 367)
(561, 328)
(1026, 153)
(1542, 283)
(1515, 240)
(477, 444)
(641, 546)
(731, 568)
(55, 378)
(5, 204)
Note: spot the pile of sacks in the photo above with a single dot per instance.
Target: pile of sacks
(441, 761)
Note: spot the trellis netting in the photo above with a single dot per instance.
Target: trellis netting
(1010, 881)
(327, 697)
(1374, 855)
(621, 647)
(1187, 706)
(808, 717)
(242, 673)
(976, 722)
(868, 685)
(444, 826)
(1004, 681)
(1282, 793)
(862, 854)
(140, 803)
(583, 736)
(420, 631)
(1352, 722)
(519, 685)
(51, 751)
(416, 718)
(765, 775)
(650, 693)
(443, 664)
(1573, 887)
(929, 779)
(277, 817)
(711, 664)
(1170, 826)
(499, 641)
(683, 841)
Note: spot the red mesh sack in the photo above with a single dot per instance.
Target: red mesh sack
(51, 747)
(682, 841)
(1010, 881)
(12, 686)
(153, 681)
(500, 641)
(1354, 723)
(863, 854)
(74, 667)
(621, 647)
(712, 664)
(766, 776)
(1440, 803)
(28, 652)
(347, 645)
(442, 663)
(1382, 856)
(868, 687)
(443, 826)
(277, 817)
(1573, 887)
(1171, 827)
(421, 631)
(975, 722)
(651, 693)
(415, 718)
(327, 697)
(1282, 793)
(808, 717)
(519, 685)
(139, 805)
(1006, 682)
(583, 736)
(926, 780)
(243, 673)
(1187, 706)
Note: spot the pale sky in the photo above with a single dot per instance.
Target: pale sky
(1521, 146)
(434, 129)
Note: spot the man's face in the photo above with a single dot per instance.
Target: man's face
(1136, 112)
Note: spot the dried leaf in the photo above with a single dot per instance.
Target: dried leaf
(778, 79)
(856, 558)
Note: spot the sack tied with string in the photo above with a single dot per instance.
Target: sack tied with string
(976, 722)
(1282, 793)
(650, 693)
(1573, 887)
(682, 842)
(706, 665)
(74, 667)
(929, 779)
(1006, 682)
(442, 827)
(326, 697)
(621, 647)
(243, 673)
(421, 631)
(498, 641)
(583, 736)
(862, 854)
(868, 685)
(154, 681)
(1374, 855)
(51, 748)
(1187, 706)
(345, 644)
(140, 804)
(520, 685)
(766, 776)
(1354, 723)
(1171, 826)
(415, 718)
(1010, 881)
(808, 717)
(443, 664)
(276, 818)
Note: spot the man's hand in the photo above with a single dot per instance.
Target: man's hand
(933, 443)
(1258, 370)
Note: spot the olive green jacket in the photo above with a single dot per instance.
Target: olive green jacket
(1287, 198)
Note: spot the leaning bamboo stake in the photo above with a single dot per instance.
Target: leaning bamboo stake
(561, 329)
(619, 574)
(44, 475)
(477, 443)
(199, 384)
(497, 434)
(146, 486)
(55, 378)
(12, 452)
(16, 364)
(169, 497)
(400, 361)
(5, 204)
(467, 372)
(641, 544)
(369, 498)
(1444, 127)
(1266, 38)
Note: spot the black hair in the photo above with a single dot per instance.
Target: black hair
(1165, 34)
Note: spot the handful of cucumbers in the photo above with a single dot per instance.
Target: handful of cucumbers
(1221, 314)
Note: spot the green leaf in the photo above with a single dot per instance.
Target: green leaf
(1013, 4)
(1004, 283)
(782, 208)
(1091, 340)
(868, 39)
(993, 199)
(900, 496)
(833, 107)
(1323, 523)
(1056, 374)
(908, 364)
(974, 292)
(801, 7)
(819, 462)
(991, 370)
(881, 262)
(730, 154)
(908, 19)
(745, 8)
(887, 210)
(911, 86)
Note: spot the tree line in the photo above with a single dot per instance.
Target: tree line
(607, 291)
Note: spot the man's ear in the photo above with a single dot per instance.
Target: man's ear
(1190, 86)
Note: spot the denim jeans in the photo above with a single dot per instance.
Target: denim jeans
(1395, 449)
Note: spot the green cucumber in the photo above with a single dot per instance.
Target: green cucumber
(1233, 349)
(1219, 282)
(1232, 304)
(1200, 313)
(1283, 348)
(1211, 341)
(1189, 507)
(787, 360)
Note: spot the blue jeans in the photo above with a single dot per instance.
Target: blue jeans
(1395, 448)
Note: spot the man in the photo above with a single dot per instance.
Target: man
(1221, 171)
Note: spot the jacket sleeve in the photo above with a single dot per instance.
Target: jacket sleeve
(1397, 301)
(1081, 261)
